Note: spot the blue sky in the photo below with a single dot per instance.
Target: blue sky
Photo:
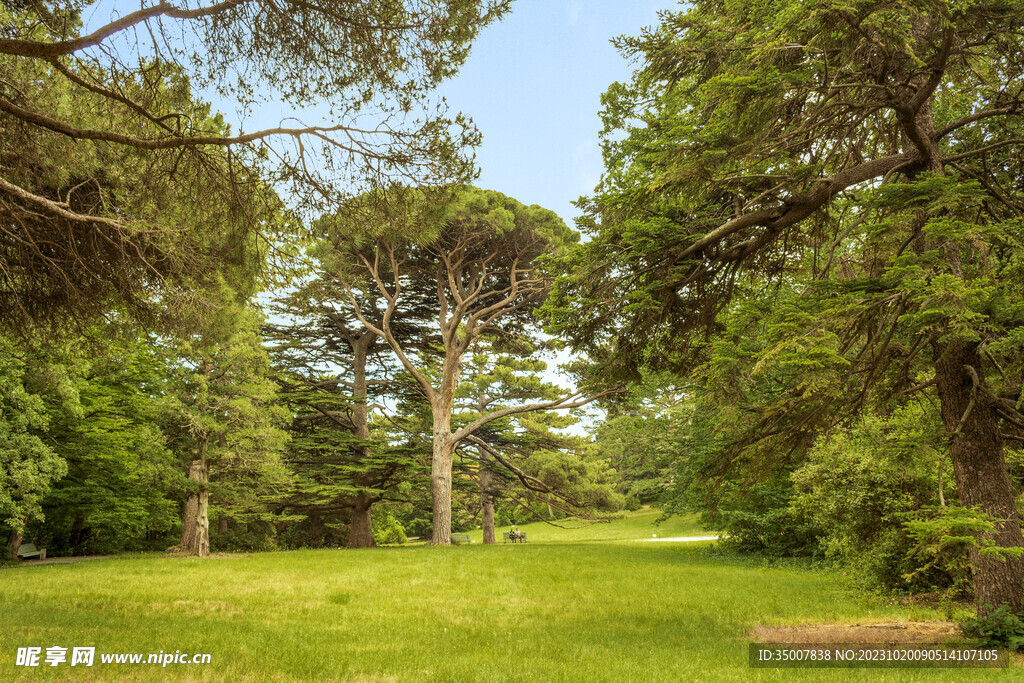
(533, 86)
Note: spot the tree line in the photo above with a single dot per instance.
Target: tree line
(395, 366)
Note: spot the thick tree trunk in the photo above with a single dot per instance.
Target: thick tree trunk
(189, 519)
(13, 543)
(360, 534)
(441, 489)
(975, 448)
(443, 450)
(487, 501)
(195, 538)
(976, 451)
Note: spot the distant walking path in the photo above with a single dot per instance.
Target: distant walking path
(680, 539)
(63, 560)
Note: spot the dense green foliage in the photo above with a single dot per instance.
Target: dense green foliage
(798, 303)
(334, 376)
(1002, 628)
(122, 479)
(812, 214)
(28, 466)
(387, 530)
(223, 411)
(195, 432)
(858, 487)
(639, 437)
(524, 463)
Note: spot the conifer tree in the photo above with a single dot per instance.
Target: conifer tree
(864, 156)
(334, 373)
(223, 416)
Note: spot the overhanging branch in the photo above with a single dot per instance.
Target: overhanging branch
(32, 48)
(561, 403)
(178, 141)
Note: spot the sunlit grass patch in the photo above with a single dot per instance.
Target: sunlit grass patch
(633, 526)
(559, 611)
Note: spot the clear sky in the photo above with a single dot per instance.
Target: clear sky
(533, 86)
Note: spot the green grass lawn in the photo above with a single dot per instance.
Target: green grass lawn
(552, 609)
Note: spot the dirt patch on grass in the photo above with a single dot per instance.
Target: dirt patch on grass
(891, 632)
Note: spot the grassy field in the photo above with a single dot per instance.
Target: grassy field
(563, 607)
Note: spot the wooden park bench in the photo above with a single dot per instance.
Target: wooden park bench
(460, 538)
(507, 536)
(28, 551)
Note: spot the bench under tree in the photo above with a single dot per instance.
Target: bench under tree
(28, 551)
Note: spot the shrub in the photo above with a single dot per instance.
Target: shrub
(858, 487)
(761, 521)
(387, 530)
(1002, 627)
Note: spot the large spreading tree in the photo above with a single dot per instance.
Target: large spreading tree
(111, 173)
(483, 257)
(865, 156)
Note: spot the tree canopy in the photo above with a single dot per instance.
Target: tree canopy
(798, 299)
(116, 182)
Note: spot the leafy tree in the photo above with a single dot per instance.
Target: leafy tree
(28, 465)
(121, 485)
(864, 158)
(112, 171)
(642, 435)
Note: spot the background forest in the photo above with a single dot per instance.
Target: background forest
(796, 303)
